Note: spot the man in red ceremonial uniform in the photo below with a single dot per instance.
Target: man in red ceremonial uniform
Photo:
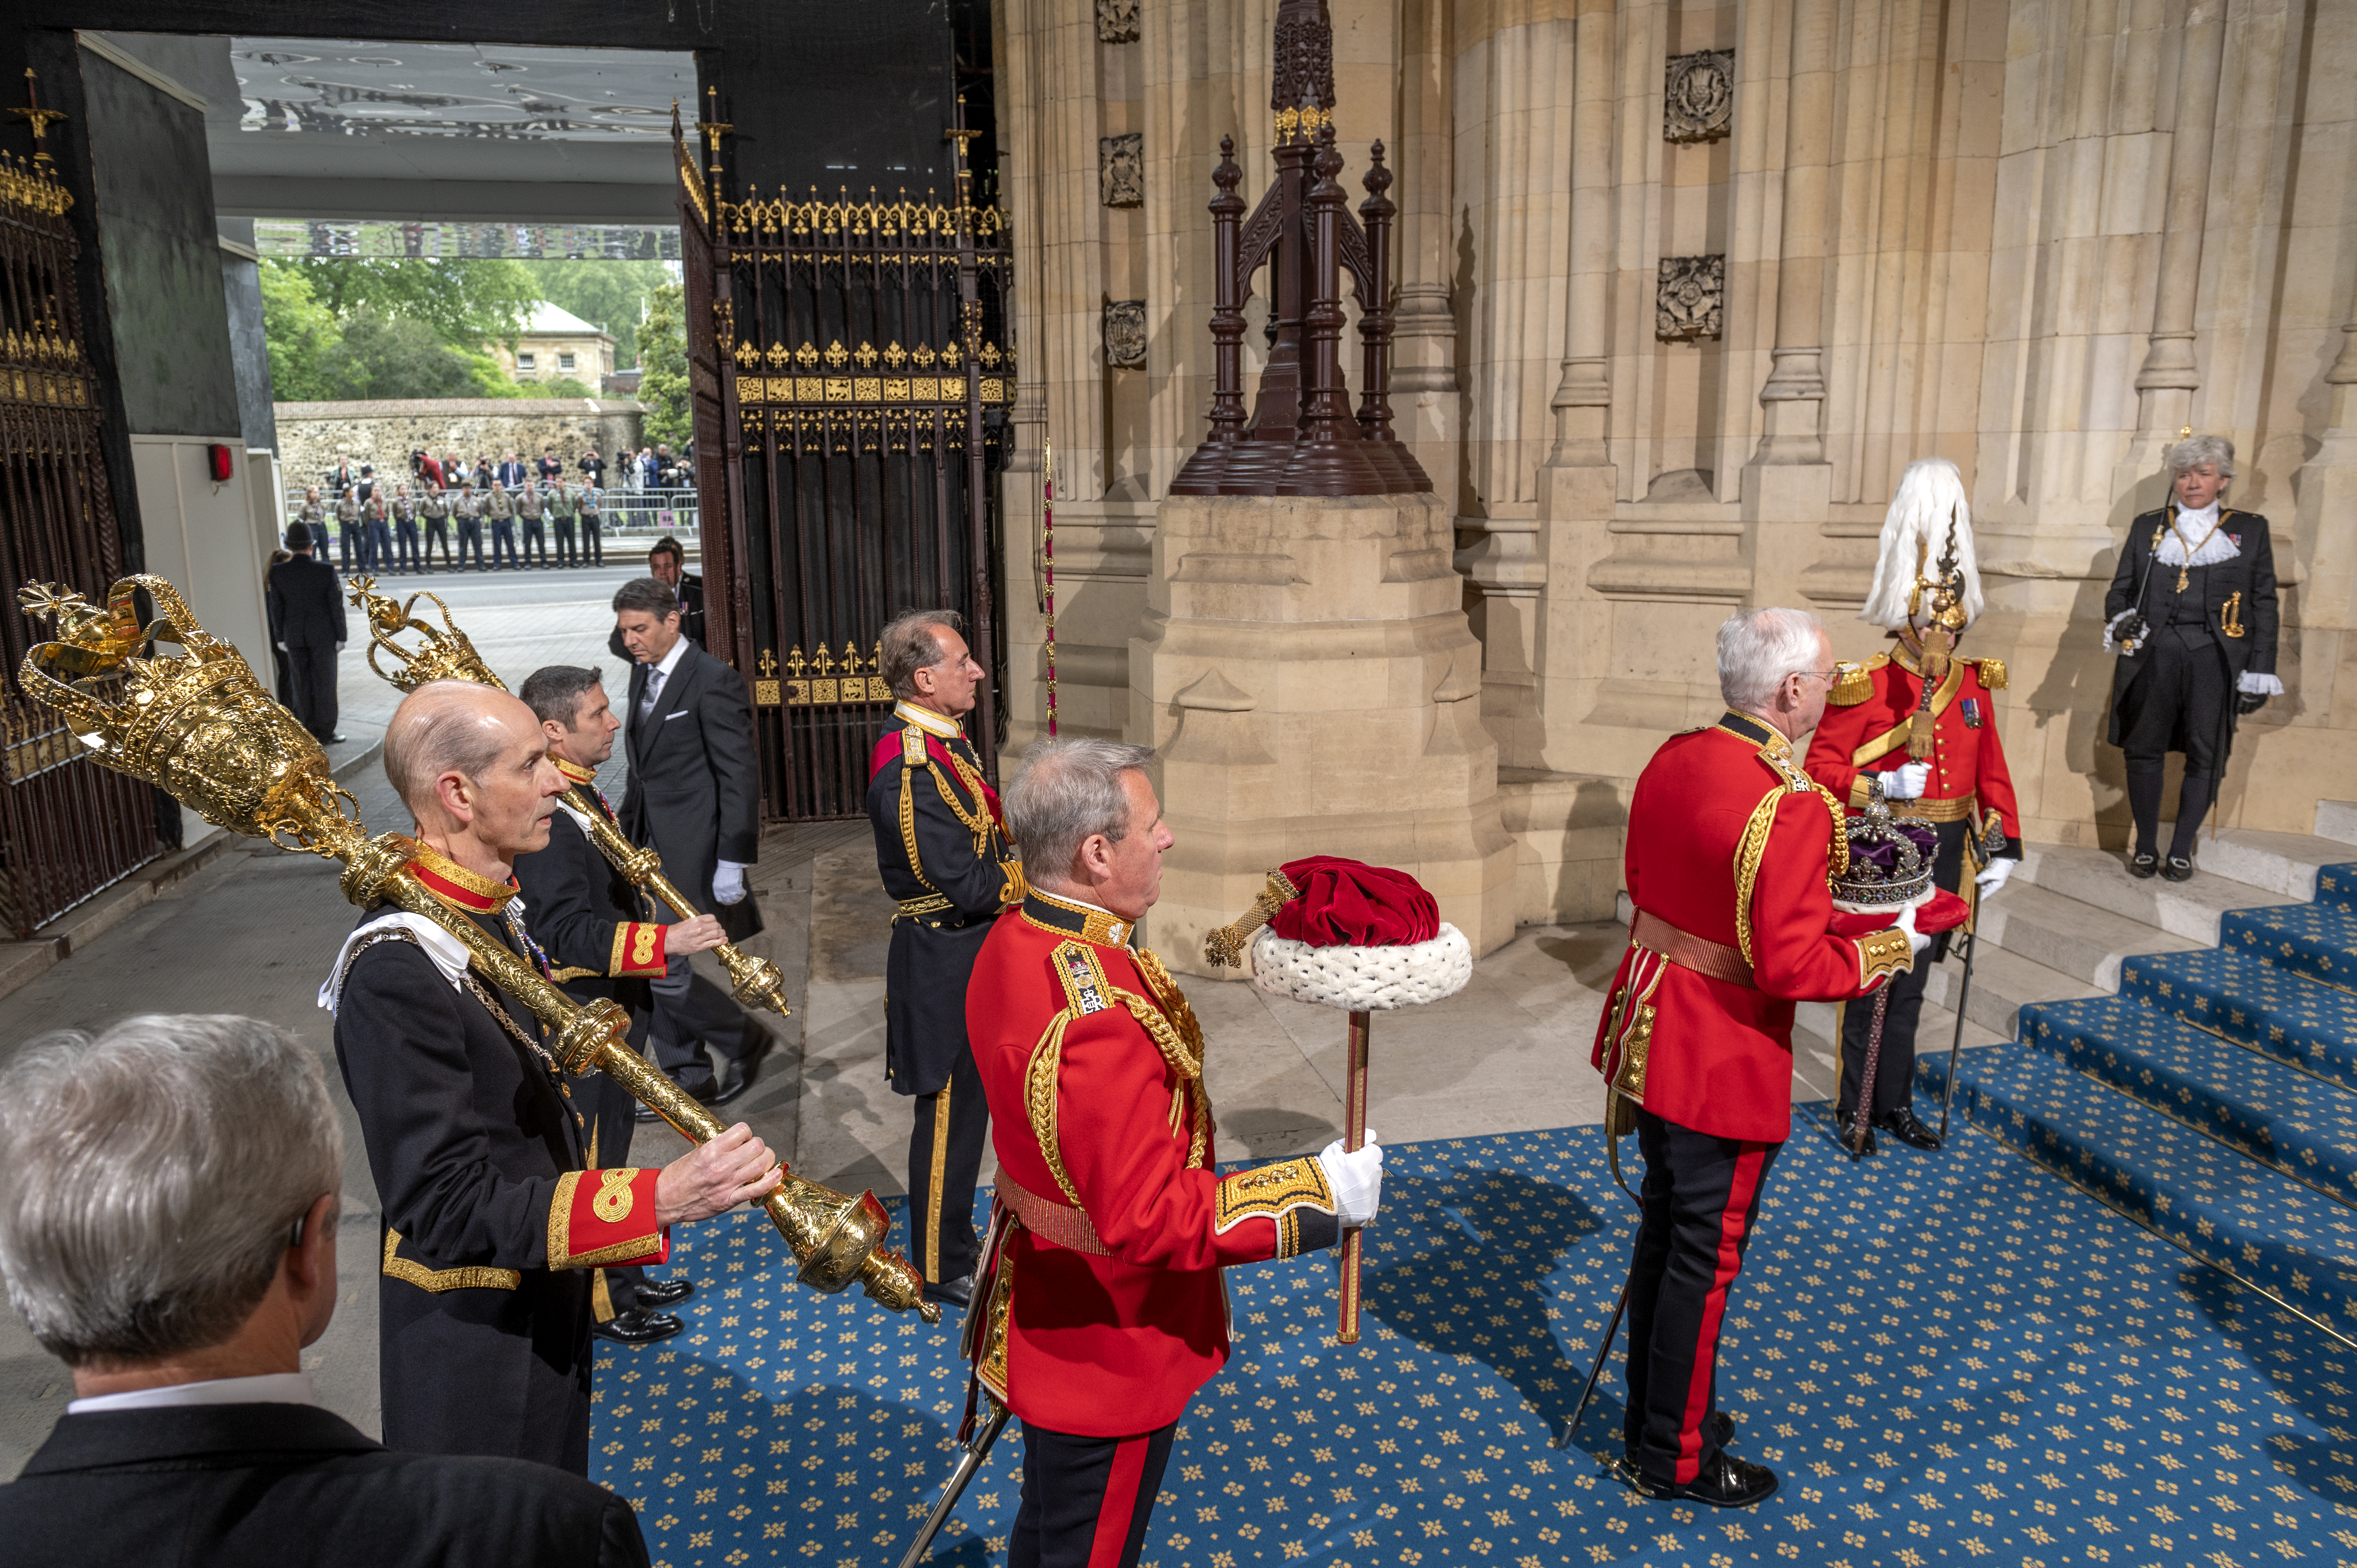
(1100, 1310)
(1960, 789)
(942, 851)
(479, 1140)
(1728, 848)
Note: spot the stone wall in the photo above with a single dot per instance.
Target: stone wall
(2037, 237)
(312, 435)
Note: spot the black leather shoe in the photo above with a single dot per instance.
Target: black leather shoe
(1722, 1426)
(656, 1294)
(1845, 1128)
(1726, 1482)
(737, 1076)
(2179, 869)
(957, 1293)
(2143, 865)
(638, 1327)
(1901, 1124)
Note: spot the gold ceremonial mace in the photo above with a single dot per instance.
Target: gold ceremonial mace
(447, 655)
(201, 728)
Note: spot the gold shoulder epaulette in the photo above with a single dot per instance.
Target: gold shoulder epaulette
(1992, 672)
(1855, 683)
(912, 743)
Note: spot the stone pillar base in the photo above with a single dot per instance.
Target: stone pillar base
(1308, 679)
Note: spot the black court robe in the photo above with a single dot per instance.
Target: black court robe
(492, 1219)
(2143, 582)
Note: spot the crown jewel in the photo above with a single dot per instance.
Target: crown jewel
(1890, 862)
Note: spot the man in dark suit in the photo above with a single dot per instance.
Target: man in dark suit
(694, 797)
(593, 923)
(666, 563)
(2193, 613)
(194, 1436)
(307, 615)
(495, 1217)
(510, 473)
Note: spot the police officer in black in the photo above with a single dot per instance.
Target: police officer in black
(592, 923)
(2191, 613)
(942, 852)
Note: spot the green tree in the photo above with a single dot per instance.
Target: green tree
(303, 335)
(563, 386)
(610, 295)
(468, 303)
(395, 356)
(663, 362)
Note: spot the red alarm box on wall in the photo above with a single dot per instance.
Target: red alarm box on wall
(217, 455)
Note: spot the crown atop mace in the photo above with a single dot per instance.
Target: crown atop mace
(444, 654)
(198, 725)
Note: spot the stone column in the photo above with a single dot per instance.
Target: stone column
(2166, 384)
(1424, 340)
(1787, 484)
(2326, 547)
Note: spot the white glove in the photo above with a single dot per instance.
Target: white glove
(1916, 940)
(728, 882)
(1357, 1179)
(1906, 782)
(1994, 876)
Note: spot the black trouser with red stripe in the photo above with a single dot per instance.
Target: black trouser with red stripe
(1702, 1203)
(1086, 1500)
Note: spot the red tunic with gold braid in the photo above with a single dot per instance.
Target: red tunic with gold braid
(1863, 736)
(1100, 1311)
(1729, 844)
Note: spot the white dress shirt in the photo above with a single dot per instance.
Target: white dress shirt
(658, 673)
(271, 1388)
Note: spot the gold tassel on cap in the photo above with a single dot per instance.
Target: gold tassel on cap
(1226, 945)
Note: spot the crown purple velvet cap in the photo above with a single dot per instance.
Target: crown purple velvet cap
(1891, 860)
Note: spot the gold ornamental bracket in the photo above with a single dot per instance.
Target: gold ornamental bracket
(201, 726)
(445, 653)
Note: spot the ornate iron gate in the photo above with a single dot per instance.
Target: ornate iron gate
(860, 384)
(67, 828)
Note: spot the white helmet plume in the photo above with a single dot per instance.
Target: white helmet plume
(1915, 529)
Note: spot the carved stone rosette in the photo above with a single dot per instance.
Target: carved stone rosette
(1690, 298)
(1124, 334)
(1116, 21)
(1121, 170)
(1698, 96)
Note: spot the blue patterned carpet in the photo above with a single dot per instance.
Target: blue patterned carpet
(1951, 1358)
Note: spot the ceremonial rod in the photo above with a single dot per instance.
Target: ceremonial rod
(1354, 1138)
(201, 728)
(450, 655)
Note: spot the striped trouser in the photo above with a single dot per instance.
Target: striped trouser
(1702, 1203)
(1086, 1500)
(944, 1163)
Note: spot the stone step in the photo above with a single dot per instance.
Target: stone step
(2337, 821)
(2288, 1239)
(2004, 983)
(2283, 863)
(2069, 935)
(2189, 910)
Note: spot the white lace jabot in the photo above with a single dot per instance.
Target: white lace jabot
(2192, 526)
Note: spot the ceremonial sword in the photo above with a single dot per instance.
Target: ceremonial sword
(970, 1461)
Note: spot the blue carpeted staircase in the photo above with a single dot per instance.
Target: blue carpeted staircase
(2212, 1100)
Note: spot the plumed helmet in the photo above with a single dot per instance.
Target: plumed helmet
(1915, 535)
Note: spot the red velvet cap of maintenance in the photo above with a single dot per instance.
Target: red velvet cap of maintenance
(1347, 903)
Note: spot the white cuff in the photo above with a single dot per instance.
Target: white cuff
(2253, 683)
(2111, 629)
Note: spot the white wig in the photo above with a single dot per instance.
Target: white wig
(1915, 529)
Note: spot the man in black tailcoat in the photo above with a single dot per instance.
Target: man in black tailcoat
(694, 797)
(2191, 613)
(592, 922)
(942, 852)
(306, 617)
(494, 1215)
